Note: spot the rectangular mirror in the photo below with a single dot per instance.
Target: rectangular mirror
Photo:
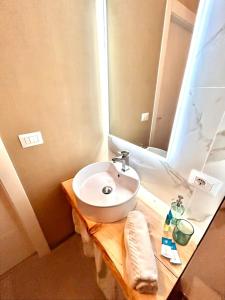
(148, 44)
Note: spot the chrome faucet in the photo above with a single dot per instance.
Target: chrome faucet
(124, 159)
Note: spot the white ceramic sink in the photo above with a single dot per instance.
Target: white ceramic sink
(104, 192)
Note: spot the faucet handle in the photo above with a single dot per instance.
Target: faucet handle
(124, 153)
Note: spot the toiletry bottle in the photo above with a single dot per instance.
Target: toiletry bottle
(177, 209)
(166, 226)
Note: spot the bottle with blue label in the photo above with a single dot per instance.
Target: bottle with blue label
(177, 209)
(167, 226)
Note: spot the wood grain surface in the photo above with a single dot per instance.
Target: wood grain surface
(109, 238)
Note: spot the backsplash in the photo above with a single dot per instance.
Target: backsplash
(156, 174)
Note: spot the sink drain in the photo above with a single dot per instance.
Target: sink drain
(107, 190)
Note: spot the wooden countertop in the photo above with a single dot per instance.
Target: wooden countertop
(109, 238)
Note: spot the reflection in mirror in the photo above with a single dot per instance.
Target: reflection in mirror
(148, 43)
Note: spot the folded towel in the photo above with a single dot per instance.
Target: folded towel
(141, 266)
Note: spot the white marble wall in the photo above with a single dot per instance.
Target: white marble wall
(202, 205)
(202, 98)
(200, 140)
(217, 152)
(203, 136)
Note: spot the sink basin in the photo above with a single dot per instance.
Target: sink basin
(104, 192)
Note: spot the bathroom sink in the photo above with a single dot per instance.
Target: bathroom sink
(104, 192)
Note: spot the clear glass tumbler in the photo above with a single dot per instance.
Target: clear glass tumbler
(182, 232)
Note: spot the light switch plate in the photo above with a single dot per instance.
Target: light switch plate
(144, 116)
(31, 139)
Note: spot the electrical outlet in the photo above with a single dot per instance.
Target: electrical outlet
(202, 183)
(205, 182)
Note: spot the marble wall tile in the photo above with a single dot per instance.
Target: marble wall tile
(217, 152)
(203, 116)
(209, 60)
(202, 103)
(201, 204)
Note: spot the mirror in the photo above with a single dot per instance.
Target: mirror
(148, 43)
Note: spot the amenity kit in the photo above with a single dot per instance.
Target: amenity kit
(141, 266)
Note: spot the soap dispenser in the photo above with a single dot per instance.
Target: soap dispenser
(177, 209)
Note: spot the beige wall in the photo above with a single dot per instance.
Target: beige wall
(134, 38)
(191, 4)
(178, 43)
(48, 83)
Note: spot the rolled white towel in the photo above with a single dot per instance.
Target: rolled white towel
(141, 266)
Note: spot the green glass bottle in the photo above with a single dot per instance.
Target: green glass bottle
(177, 209)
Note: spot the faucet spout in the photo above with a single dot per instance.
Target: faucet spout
(117, 159)
(124, 159)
